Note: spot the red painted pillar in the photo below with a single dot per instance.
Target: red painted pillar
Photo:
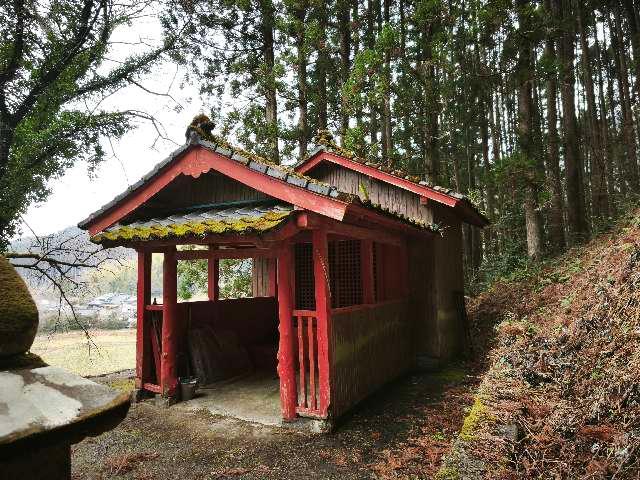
(213, 278)
(323, 313)
(144, 298)
(288, 391)
(169, 367)
(366, 269)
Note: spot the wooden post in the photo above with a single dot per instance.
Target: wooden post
(273, 277)
(288, 390)
(366, 269)
(169, 367)
(323, 312)
(213, 277)
(144, 299)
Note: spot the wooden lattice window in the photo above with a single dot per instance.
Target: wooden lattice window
(305, 284)
(344, 273)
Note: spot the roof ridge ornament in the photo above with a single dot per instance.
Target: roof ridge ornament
(200, 123)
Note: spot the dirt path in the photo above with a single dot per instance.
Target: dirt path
(401, 432)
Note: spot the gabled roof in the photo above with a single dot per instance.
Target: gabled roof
(282, 183)
(328, 151)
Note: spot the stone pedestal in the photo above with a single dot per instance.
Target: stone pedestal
(43, 411)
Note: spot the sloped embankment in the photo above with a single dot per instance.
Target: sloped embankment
(561, 397)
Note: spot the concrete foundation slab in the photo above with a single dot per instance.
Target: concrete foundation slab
(252, 398)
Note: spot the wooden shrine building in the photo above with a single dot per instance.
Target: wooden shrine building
(355, 274)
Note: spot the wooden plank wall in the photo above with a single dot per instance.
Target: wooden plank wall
(449, 275)
(211, 187)
(260, 277)
(436, 268)
(394, 198)
(370, 346)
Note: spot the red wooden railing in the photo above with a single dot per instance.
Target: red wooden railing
(307, 372)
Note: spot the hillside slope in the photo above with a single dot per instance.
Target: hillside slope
(561, 396)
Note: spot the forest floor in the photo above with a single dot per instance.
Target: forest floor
(401, 432)
(561, 396)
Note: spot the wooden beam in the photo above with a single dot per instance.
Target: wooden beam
(310, 221)
(286, 372)
(224, 253)
(360, 214)
(143, 353)
(169, 364)
(213, 276)
(323, 315)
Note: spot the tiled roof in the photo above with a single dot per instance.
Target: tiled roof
(244, 218)
(325, 143)
(216, 144)
(198, 134)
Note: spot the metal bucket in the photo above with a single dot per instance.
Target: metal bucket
(188, 388)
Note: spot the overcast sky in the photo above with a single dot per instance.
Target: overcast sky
(74, 196)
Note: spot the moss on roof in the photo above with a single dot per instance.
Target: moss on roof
(197, 228)
(18, 312)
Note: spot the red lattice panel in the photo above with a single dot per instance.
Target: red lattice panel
(345, 273)
(305, 285)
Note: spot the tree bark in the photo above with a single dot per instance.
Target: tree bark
(387, 142)
(525, 133)
(634, 31)
(301, 60)
(604, 131)
(356, 50)
(345, 62)
(628, 132)
(599, 198)
(322, 64)
(271, 102)
(574, 168)
(370, 43)
(554, 179)
(430, 144)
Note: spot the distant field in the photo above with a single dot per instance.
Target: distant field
(116, 350)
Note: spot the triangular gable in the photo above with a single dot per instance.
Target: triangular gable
(200, 157)
(450, 199)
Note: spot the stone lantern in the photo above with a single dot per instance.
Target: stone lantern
(43, 409)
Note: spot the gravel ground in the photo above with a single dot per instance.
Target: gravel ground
(401, 432)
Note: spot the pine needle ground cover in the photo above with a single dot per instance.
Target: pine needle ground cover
(561, 397)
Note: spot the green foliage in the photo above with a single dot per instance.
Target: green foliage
(52, 78)
(234, 278)
(192, 278)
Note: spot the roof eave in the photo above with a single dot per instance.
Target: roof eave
(86, 223)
